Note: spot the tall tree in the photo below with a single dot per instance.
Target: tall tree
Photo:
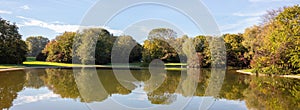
(35, 45)
(12, 48)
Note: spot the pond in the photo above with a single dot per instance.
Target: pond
(85, 89)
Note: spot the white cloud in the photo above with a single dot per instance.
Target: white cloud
(249, 14)
(24, 99)
(60, 28)
(25, 7)
(5, 12)
(240, 26)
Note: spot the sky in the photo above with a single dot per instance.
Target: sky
(50, 18)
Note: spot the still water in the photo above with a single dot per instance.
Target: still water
(66, 89)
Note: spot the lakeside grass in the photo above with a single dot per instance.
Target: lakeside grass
(31, 62)
(42, 63)
(247, 70)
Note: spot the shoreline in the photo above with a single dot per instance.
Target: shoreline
(120, 67)
(252, 74)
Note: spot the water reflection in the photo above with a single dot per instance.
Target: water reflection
(256, 92)
(10, 85)
(273, 94)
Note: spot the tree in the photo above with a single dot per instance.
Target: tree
(60, 49)
(202, 48)
(126, 47)
(35, 45)
(12, 48)
(279, 53)
(95, 45)
(159, 46)
(251, 40)
(235, 50)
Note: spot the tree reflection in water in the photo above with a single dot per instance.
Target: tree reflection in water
(266, 93)
(10, 84)
(257, 92)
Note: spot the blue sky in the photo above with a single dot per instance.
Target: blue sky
(49, 18)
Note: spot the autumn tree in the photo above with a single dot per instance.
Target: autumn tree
(60, 49)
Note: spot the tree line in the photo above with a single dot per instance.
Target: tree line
(270, 47)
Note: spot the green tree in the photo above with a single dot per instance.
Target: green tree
(35, 45)
(12, 48)
(98, 39)
(126, 47)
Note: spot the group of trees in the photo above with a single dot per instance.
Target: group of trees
(89, 46)
(271, 47)
(274, 46)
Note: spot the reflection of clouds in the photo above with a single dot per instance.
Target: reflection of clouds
(140, 97)
(139, 93)
(26, 96)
